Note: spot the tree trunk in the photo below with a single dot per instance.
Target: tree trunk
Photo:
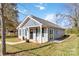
(3, 31)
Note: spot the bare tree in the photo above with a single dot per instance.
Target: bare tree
(9, 17)
(74, 14)
(3, 51)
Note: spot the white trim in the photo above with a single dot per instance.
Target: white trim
(29, 19)
(47, 34)
(41, 33)
(32, 26)
(22, 22)
(35, 20)
(19, 32)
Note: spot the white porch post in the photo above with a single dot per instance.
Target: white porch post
(40, 34)
(34, 34)
(47, 33)
(28, 34)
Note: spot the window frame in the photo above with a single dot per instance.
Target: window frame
(37, 31)
(25, 30)
(43, 31)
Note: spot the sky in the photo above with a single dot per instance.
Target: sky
(45, 11)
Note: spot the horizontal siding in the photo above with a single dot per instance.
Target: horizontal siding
(31, 23)
(22, 33)
(58, 33)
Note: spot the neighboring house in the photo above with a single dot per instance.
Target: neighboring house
(38, 30)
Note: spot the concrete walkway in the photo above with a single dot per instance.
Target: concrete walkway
(57, 41)
(13, 43)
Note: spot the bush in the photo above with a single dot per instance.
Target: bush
(77, 35)
(72, 31)
(9, 35)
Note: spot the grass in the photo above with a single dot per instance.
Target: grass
(14, 39)
(78, 45)
(67, 48)
(11, 39)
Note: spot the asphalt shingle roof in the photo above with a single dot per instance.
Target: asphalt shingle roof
(46, 23)
(43, 22)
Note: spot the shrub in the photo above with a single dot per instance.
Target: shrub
(72, 31)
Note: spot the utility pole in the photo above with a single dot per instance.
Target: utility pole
(3, 31)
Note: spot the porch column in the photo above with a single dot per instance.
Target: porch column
(28, 33)
(40, 34)
(47, 33)
(34, 34)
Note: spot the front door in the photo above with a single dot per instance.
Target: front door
(31, 33)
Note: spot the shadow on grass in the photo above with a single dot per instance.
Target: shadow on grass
(77, 35)
(27, 50)
(62, 38)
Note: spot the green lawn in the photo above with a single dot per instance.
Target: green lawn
(67, 48)
(11, 39)
(78, 46)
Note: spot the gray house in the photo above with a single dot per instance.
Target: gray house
(39, 30)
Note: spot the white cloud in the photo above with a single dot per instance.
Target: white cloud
(40, 7)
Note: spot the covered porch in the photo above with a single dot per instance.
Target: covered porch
(38, 34)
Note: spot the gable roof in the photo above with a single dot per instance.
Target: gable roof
(41, 21)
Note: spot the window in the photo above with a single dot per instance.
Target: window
(42, 32)
(37, 31)
(51, 33)
(25, 32)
